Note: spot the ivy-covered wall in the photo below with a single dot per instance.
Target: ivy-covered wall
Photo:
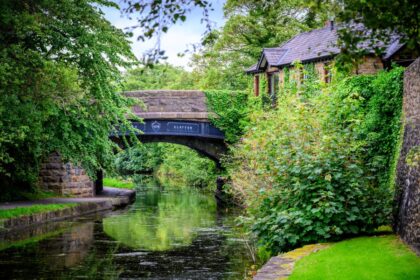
(407, 222)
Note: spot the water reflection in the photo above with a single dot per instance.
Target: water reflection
(161, 220)
(166, 234)
(56, 253)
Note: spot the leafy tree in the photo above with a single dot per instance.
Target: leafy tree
(60, 65)
(142, 158)
(382, 17)
(250, 26)
(155, 17)
(158, 76)
(183, 166)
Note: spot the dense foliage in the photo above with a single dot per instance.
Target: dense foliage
(249, 27)
(381, 17)
(172, 164)
(231, 112)
(317, 168)
(60, 63)
(182, 167)
(142, 158)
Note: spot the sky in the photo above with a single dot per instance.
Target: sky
(178, 38)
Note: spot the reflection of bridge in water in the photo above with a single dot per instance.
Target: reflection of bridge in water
(180, 117)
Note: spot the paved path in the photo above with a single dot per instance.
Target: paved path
(108, 194)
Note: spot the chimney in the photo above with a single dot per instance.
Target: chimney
(330, 24)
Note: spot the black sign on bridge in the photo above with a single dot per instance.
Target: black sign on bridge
(181, 128)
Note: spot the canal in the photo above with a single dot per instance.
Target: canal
(166, 234)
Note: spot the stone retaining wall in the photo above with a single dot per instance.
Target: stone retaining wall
(65, 178)
(407, 220)
(111, 199)
(12, 224)
(281, 266)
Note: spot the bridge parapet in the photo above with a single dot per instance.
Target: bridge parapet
(171, 104)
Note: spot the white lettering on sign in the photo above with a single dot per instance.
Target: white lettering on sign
(183, 127)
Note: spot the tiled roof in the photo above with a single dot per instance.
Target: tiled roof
(392, 49)
(310, 45)
(252, 69)
(313, 45)
(274, 55)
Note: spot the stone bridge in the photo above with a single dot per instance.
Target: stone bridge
(180, 117)
(171, 116)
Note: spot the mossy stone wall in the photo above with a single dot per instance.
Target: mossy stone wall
(407, 219)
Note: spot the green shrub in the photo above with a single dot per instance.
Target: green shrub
(317, 168)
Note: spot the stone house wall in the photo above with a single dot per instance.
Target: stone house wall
(65, 178)
(407, 218)
(369, 65)
(320, 69)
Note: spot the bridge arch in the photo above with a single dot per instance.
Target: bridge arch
(179, 117)
(200, 136)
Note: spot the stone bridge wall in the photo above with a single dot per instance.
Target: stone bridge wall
(171, 104)
(65, 178)
(407, 220)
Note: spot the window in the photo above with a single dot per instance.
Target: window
(327, 73)
(308, 72)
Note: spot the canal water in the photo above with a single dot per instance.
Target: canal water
(165, 234)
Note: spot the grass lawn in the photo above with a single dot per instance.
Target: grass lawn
(373, 258)
(118, 183)
(40, 194)
(28, 210)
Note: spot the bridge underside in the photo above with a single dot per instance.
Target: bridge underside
(211, 148)
(200, 136)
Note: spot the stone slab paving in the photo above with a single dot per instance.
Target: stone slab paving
(280, 267)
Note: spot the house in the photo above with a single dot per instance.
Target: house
(318, 48)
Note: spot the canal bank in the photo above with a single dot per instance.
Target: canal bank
(108, 199)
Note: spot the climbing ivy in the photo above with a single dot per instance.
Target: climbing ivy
(230, 112)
